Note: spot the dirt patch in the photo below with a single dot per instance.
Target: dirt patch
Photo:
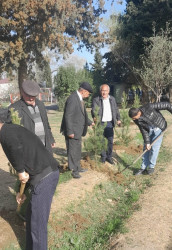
(130, 149)
(72, 222)
(75, 190)
(119, 178)
(12, 228)
(103, 168)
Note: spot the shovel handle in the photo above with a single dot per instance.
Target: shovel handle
(147, 149)
(22, 187)
(144, 151)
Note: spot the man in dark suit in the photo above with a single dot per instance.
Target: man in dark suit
(33, 113)
(74, 125)
(36, 166)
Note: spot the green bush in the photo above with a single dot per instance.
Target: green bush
(123, 134)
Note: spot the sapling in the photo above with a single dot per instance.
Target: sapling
(96, 142)
(123, 134)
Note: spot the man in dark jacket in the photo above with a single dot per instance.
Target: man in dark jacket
(74, 125)
(151, 124)
(36, 165)
(108, 113)
(33, 113)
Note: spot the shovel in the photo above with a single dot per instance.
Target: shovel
(22, 187)
(128, 166)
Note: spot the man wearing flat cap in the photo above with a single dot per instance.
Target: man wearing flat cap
(74, 125)
(33, 113)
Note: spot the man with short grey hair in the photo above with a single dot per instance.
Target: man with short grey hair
(109, 114)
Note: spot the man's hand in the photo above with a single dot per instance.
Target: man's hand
(92, 124)
(23, 177)
(71, 136)
(119, 123)
(20, 198)
(148, 146)
(53, 145)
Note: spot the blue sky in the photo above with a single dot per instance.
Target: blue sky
(81, 57)
(117, 8)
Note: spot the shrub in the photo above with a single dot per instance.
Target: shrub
(123, 134)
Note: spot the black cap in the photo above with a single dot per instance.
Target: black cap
(30, 88)
(86, 86)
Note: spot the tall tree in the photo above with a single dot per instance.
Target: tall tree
(47, 75)
(67, 80)
(97, 70)
(127, 32)
(27, 27)
(137, 22)
(156, 72)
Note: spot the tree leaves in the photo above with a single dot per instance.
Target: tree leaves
(56, 24)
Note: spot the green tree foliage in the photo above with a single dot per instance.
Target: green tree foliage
(136, 103)
(15, 117)
(47, 75)
(127, 32)
(42, 74)
(156, 72)
(96, 142)
(138, 19)
(123, 134)
(67, 80)
(27, 27)
(118, 66)
(98, 70)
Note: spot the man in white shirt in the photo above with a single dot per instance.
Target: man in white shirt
(109, 114)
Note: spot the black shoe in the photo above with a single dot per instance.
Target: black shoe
(102, 160)
(150, 171)
(82, 170)
(76, 175)
(139, 172)
(110, 161)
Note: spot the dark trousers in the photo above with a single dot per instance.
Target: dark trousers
(74, 153)
(109, 135)
(38, 212)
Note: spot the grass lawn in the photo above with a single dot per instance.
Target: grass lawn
(89, 223)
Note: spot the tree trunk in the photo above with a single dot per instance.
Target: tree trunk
(170, 93)
(22, 72)
(145, 95)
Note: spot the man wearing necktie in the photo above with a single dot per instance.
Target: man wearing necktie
(74, 125)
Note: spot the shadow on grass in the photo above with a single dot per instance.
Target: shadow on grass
(60, 151)
(8, 212)
(17, 226)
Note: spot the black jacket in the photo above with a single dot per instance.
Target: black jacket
(25, 151)
(27, 120)
(151, 117)
(75, 119)
(98, 102)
